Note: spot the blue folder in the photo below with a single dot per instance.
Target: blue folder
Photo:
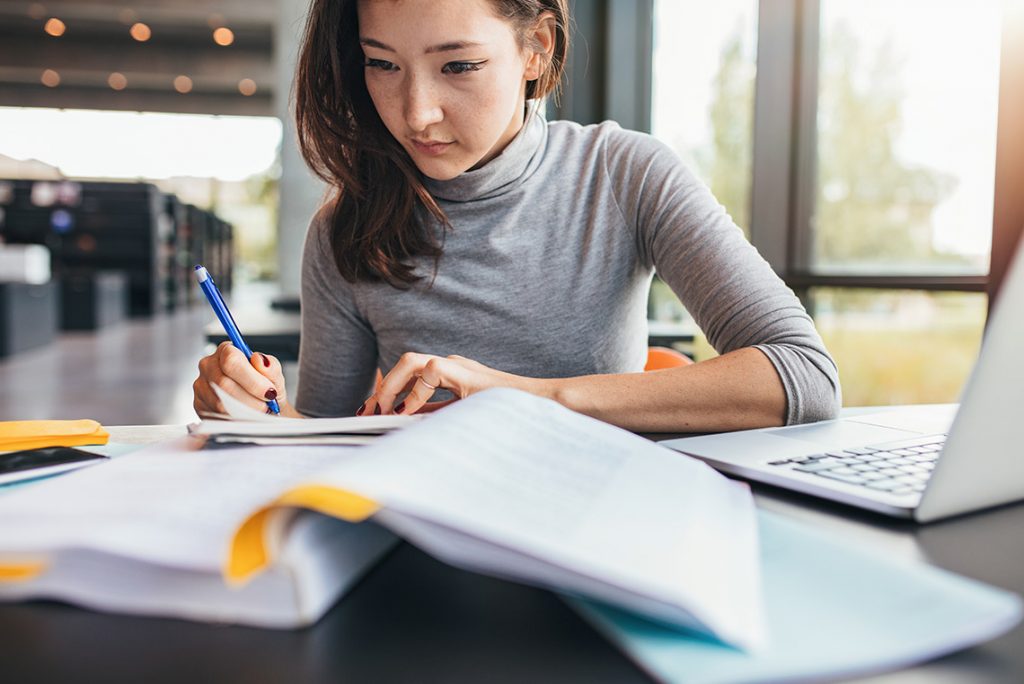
(832, 611)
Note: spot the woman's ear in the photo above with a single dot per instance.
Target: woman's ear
(541, 40)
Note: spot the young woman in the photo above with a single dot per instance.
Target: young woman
(471, 244)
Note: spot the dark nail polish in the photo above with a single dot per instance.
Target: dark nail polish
(270, 394)
(400, 407)
(266, 361)
(359, 411)
(376, 410)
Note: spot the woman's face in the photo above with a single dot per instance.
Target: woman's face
(448, 78)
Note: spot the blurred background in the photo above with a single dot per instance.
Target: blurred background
(854, 143)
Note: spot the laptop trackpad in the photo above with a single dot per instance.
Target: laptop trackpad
(841, 433)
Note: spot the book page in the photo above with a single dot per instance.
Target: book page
(529, 475)
(172, 503)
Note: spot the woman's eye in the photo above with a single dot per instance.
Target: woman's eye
(461, 67)
(381, 64)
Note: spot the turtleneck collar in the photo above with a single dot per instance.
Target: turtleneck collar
(509, 169)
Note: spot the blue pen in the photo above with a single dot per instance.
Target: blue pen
(213, 295)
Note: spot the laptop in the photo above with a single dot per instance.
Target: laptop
(919, 462)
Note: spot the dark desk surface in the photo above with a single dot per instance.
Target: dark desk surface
(415, 619)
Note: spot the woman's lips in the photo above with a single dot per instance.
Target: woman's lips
(431, 148)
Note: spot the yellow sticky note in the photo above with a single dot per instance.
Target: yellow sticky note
(249, 553)
(37, 434)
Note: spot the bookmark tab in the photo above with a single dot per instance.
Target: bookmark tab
(36, 434)
(249, 549)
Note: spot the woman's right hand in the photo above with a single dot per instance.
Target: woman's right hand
(253, 381)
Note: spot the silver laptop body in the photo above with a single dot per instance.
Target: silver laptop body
(980, 464)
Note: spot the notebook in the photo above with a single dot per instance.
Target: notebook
(241, 424)
(533, 492)
(834, 612)
(901, 462)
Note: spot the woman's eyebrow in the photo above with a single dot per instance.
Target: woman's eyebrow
(443, 47)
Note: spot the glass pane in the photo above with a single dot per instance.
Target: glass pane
(703, 106)
(906, 136)
(703, 92)
(900, 346)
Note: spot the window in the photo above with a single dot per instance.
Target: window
(703, 105)
(906, 132)
(902, 187)
(703, 92)
(900, 346)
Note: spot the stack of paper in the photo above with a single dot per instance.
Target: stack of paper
(295, 431)
(501, 482)
(243, 425)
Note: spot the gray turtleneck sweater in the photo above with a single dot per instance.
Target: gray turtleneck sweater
(546, 274)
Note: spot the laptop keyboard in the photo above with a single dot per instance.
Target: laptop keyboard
(898, 468)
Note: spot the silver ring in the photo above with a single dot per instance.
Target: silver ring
(432, 387)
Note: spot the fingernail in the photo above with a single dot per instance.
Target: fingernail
(270, 394)
(360, 410)
(400, 407)
(266, 361)
(376, 410)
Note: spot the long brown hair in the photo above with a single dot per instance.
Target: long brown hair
(377, 190)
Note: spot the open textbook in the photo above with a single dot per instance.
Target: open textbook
(502, 482)
(244, 425)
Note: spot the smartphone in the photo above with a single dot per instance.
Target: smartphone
(16, 466)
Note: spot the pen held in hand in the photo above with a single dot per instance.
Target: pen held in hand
(213, 296)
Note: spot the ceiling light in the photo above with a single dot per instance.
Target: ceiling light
(247, 87)
(50, 78)
(223, 36)
(183, 84)
(55, 27)
(117, 81)
(140, 32)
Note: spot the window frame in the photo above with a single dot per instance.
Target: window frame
(785, 154)
(609, 76)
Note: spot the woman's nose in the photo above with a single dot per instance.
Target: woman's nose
(422, 105)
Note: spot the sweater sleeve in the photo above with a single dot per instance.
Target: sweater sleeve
(338, 349)
(730, 290)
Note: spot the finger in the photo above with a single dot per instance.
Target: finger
(371, 405)
(236, 391)
(269, 367)
(204, 397)
(235, 366)
(437, 373)
(398, 378)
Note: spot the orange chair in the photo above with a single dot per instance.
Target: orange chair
(659, 358)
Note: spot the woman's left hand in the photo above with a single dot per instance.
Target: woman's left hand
(421, 374)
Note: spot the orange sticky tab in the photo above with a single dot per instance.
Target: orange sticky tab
(36, 434)
(337, 503)
(21, 572)
(249, 552)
